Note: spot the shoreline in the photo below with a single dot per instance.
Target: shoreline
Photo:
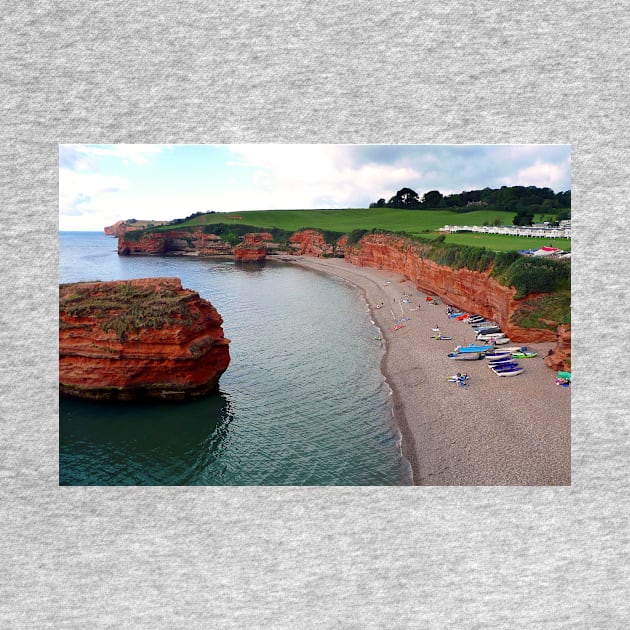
(496, 431)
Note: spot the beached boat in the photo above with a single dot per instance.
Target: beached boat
(489, 336)
(493, 356)
(504, 357)
(488, 330)
(500, 341)
(395, 328)
(473, 348)
(514, 349)
(511, 372)
(442, 338)
(465, 356)
(503, 365)
(524, 355)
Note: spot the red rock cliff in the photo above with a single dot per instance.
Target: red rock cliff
(560, 359)
(312, 243)
(184, 241)
(252, 249)
(136, 339)
(471, 291)
(128, 225)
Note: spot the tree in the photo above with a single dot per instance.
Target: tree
(433, 199)
(404, 198)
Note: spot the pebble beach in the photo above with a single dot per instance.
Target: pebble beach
(492, 431)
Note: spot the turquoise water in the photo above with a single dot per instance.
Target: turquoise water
(303, 401)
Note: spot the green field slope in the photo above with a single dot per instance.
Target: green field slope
(413, 222)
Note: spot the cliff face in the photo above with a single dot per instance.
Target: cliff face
(470, 291)
(192, 242)
(312, 243)
(252, 249)
(128, 225)
(114, 230)
(561, 357)
(137, 339)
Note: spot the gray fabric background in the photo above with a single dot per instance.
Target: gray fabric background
(352, 72)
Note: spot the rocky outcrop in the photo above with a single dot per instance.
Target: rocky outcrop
(252, 249)
(471, 291)
(313, 243)
(560, 357)
(114, 230)
(138, 339)
(120, 227)
(173, 242)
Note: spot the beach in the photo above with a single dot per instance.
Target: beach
(493, 431)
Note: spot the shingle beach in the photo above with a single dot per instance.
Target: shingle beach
(494, 431)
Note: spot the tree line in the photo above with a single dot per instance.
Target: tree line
(524, 201)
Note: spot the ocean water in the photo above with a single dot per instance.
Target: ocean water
(303, 401)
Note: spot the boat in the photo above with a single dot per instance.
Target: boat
(524, 355)
(500, 341)
(465, 356)
(395, 328)
(489, 336)
(442, 338)
(454, 315)
(486, 323)
(473, 348)
(462, 317)
(493, 356)
(514, 349)
(502, 359)
(489, 330)
(511, 372)
(503, 365)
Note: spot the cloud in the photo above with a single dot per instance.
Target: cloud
(311, 176)
(81, 193)
(543, 174)
(82, 154)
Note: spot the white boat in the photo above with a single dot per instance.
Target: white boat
(500, 341)
(488, 336)
(499, 354)
(512, 372)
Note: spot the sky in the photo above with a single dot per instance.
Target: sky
(100, 184)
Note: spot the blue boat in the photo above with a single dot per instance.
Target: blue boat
(473, 348)
(503, 366)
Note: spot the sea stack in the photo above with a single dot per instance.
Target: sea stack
(138, 339)
(252, 249)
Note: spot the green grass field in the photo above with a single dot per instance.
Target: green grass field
(506, 243)
(415, 222)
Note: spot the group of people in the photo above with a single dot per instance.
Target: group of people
(462, 378)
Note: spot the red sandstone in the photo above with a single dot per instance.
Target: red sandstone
(471, 291)
(252, 249)
(180, 353)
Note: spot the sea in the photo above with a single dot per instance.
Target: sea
(302, 403)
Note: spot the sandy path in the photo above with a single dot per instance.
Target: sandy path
(496, 431)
